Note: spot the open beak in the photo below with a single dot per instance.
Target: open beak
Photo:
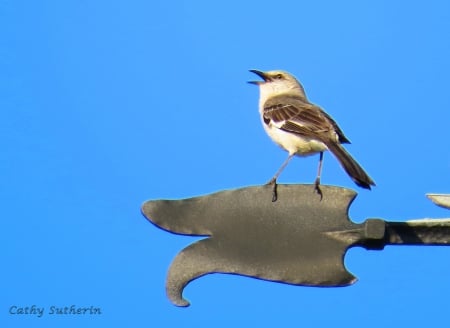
(261, 75)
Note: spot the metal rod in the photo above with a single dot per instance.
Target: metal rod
(419, 232)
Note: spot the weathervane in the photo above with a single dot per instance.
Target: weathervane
(300, 239)
(296, 238)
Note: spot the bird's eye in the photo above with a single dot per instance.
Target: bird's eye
(278, 76)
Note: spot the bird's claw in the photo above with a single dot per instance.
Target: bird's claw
(317, 188)
(274, 184)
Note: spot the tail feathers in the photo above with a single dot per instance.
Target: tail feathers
(351, 166)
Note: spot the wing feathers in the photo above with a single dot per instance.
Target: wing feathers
(299, 116)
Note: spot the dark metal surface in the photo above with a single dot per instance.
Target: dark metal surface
(298, 240)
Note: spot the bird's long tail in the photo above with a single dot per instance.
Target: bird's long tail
(351, 166)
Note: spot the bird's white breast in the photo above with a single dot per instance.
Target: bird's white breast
(292, 143)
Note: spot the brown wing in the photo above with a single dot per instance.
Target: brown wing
(299, 116)
(342, 138)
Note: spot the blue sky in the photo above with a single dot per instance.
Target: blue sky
(107, 104)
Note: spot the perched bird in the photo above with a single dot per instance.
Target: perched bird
(302, 128)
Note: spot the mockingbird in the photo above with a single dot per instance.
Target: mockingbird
(302, 128)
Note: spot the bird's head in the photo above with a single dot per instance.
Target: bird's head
(274, 82)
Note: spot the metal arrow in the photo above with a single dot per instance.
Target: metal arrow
(299, 239)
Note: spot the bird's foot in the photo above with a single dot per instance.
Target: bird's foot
(274, 184)
(317, 188)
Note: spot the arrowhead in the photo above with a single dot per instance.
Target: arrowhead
(286, 241)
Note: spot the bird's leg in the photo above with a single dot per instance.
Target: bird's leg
(275, 177)
(319, 172)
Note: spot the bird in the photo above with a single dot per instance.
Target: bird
(301, 127)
